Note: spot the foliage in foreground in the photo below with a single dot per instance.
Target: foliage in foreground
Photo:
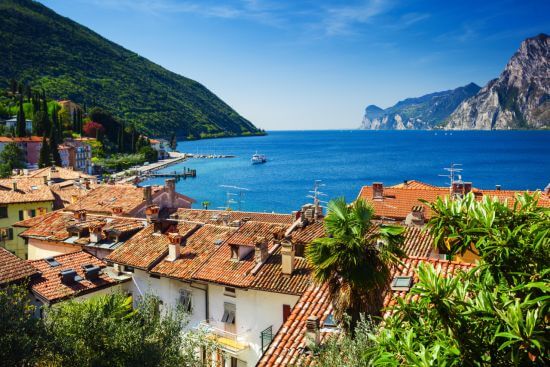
(494, 315)
(354, 259)
(101, 331)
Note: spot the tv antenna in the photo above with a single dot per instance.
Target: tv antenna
(234, 195)
(316, 194)
(453, 171)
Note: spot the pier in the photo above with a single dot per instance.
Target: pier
(177, 175)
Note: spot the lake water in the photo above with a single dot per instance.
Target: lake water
(347, 160)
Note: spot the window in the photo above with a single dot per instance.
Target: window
(6, 234)
(185, 299)
(286, 312)
(234, 252)
(401, 283)
(21, 215)
(128, 269)
(228, 313)
(3, 211)
(228, 291)
(31, 213)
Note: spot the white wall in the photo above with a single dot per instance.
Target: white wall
(39, 249)
(255, 311)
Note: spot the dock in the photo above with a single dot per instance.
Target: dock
(185, 173)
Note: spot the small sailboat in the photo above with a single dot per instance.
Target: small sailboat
(258, 158)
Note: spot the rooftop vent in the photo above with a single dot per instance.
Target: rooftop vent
(69, 276)
(401, 283)
(91, 271)
(52, 262)
(218, 242)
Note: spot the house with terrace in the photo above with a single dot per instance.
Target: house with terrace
(240, 274)
(63, 232)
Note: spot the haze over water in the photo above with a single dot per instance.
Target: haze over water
(346, 160)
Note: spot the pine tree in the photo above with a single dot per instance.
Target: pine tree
(21, 128)
(45, 154)
(54, 138)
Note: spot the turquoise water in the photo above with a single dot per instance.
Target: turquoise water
(347, 160)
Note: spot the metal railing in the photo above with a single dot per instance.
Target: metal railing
(225, 334)
(266, 337)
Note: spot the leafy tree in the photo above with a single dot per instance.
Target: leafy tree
(21, 335)
(149, 154)
(93, 129)
(107, 331)
(21, 127)
(354, 259)
(44, 159)
(11, 157)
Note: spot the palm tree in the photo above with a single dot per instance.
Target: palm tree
(355, 259)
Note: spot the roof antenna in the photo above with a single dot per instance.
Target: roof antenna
(315, 194)
(453, 171)
(233, 197)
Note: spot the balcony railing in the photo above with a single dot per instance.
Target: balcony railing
(225, 335)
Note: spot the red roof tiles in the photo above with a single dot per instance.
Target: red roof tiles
(104, 198)
(398, 200)
(49, 286)
(145, 249)
(14, 269)
(27, 190)
(287, 348)
(221, 216)
(198, 247)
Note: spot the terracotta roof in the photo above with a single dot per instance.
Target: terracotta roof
(104, 198)
(308, 233)
(66, 192)
(413, 184)
(26, 139)
(398, 201)
(218, 216)
(28, 190)
(220, 268)
(287, 348)
(50, 287)
(271, 278)
(145, 249)
(198, 247)
(14, 269)
(60, 173)
(59, 225)
(418, 242)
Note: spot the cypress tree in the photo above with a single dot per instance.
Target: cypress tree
(54, 138)
(46, 126)
(45, 154)
(21, 128)
(13, 86)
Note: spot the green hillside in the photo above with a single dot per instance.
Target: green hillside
(70, 61)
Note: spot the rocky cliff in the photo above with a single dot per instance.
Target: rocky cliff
(424, 112)
(518, 99)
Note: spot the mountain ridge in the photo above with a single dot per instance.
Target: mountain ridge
(71, 61)
(518, 99)
(417, 113)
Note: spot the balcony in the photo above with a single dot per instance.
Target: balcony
(225, 335)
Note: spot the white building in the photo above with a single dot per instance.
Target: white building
(240, 277)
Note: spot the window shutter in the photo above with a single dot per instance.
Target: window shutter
(10, 233)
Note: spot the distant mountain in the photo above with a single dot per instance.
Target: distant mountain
(71, 61)
(424, 112)
(518, 99)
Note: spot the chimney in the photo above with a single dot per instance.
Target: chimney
(96, 233)
(287, 257)
(377, 190)
(546, 189)
(74, 199)
(147, 195)
(313, 335)
(80, 215)
(68, 276)
(91, 271)
(467, 187)
(117, 210)
(87, 184)
(170, 186)
(498, 187)
(416, 216)
(14, 185)
(174, 248)
(260, 250)
(457, 189)
(152, 212)
(45, 179)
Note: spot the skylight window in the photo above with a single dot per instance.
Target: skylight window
(401, 283)
(52, 262)
(329, 321)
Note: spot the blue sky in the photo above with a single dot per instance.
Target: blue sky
(317, 64)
